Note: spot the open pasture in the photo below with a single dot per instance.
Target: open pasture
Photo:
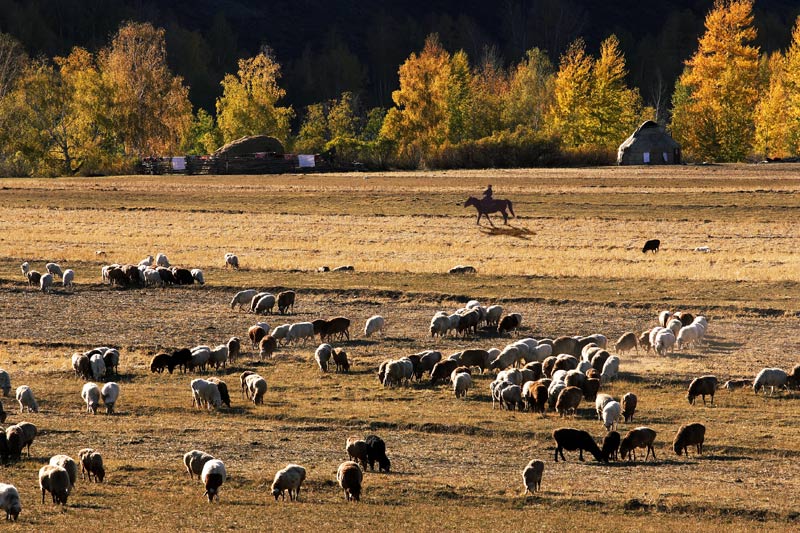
(571, 264)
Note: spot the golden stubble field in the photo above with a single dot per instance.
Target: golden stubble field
(571, 264)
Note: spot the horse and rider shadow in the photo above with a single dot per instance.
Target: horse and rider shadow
(487, 205)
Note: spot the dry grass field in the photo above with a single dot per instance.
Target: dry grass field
(571, 263)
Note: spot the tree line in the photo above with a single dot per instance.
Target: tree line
(96, 113)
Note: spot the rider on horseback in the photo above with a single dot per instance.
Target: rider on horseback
(487, 194)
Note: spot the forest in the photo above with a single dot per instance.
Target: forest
(439, 84)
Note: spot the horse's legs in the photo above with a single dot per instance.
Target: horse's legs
(489, 219)
(505, 217)
(478, 222)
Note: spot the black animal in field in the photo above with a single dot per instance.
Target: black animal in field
(651, 246)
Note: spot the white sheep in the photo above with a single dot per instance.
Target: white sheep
(289, 478)
(513, 376)
(98, 366)
(665, 341)
(493, 314)
(374, 324)
(461, 384)
(201, 355)
(46, 282)
(323, 355)
(152, 278)
(454, 319)
(610, 369)
(67, 463)
(243, 298)
(600, 402)
(91, 396)
(439, 325)
(205, 393)
(25, 267)
(197, 274)
(55, 480)
(256, 388)
(688, 335)
(262, 303)
(5, 382)
(280, 332)
(54, 269)
(162, 261)
(398, 371)
(611, 413)
(300, 330)
(663, 318)
(68, 278)
(213, 476)
(9, 501)
(674, 325)
(770, 377)
(147, 261)
(26, 399)
(231, 261)
(543, 351)
(219, 356)
(110, 394)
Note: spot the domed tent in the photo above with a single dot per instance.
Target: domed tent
(255, 144)
(649, 145)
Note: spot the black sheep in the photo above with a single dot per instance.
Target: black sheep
(180, 358)
(611, 446)
(651, 246)
(376, 451)
(183, 276)
(576, 439)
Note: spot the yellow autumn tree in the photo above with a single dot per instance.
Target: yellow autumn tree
(530, 92)
(488, 88)
(569, 116)
(419, 122)
(772, 129)
(249, 101)
(151, 108)
(791, 82)
(716, 95)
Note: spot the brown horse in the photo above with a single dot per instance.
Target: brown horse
(490, 205)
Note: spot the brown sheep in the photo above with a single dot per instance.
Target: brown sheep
(610, 447)
(357, 450)
(286, 301)
(34, 278)
(157, 364)
(540, 397)
(339, 326)
(565, 362)
(568, 401)
(547, 366)
(593, 374)
(689, 435)
(794, 378)
(349, 476)
(268, 346)
(590, 389)
(644, 341)
(340, 359)
(256, 333)
(509, 323)
(536, 368)
(243, 379)
(702, 386)
(441, 371)
(600, 359)
(84, 368)
(641, 437)
(479, 358)
(629, 402)
(626, 343)
(91, 465)
(685, 318)
(732, 384)
(567, 345)
(234, 348)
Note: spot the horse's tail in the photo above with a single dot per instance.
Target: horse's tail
(511, 208)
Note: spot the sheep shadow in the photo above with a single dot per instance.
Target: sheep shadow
(507, 231)
(725, 458)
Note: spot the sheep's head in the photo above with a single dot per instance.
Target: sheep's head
(691, 398)
(13, 509)
(100, 473)
(277, 492)
(384, 464)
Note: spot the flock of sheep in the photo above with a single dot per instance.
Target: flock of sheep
(534, 375)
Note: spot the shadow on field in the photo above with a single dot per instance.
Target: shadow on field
(508, 231)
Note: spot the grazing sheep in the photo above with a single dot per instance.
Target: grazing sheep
(98, 366)
(626, 343)
(299, 330)
(509, 323)
(689, 435)
(590, 388)
(54, 269)
(27, 433)
(374, 324)
(611, 413)
(46, 283)
(688, 335)
(462, 269)
(610, 369)
(571, 439)
(213, 476)
(702, 386)
(286, 302)
(223, 390)
(568, 401)
(243, 298)
(644, 341)
(376, 451)
(610, 446)
(91, 396)
(183, 276)
(201, 355)
(322, 355)
(194, 461)
(599, 360)
(231, 261)
(257, 387)
(338, 326)
(493, 315)
(205, 393)
(508, 357)
(511, 397)
(568, 345)
(770, 377)
(262, 303)
(5, 382)
(219, 356)
(234, 348)
(629, 402)
(664, 342)
(111, 360)
(197, 274)
(440, 325)
(243, 380)
(110, 394)
(532, 476)
(180, 358)
(68, 278)
(91, 465)
(9, 501)
(442, 370)
(461, 384)
(289, 478)
(162, 261)
(26, 399)
(340, 360)
(67, 463)
(349, 476)
(652, 245)
(55, 480)
(641, 437)
(256, 333)
(565, 362)
(34, 278)
(267, 347)
(397, 372)
(600, 403)
(357, 449)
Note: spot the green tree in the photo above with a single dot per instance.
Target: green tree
(248, 105)
(530, 92)
(343, 116)
(716, 95)
(314, 131)
(204, 137)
